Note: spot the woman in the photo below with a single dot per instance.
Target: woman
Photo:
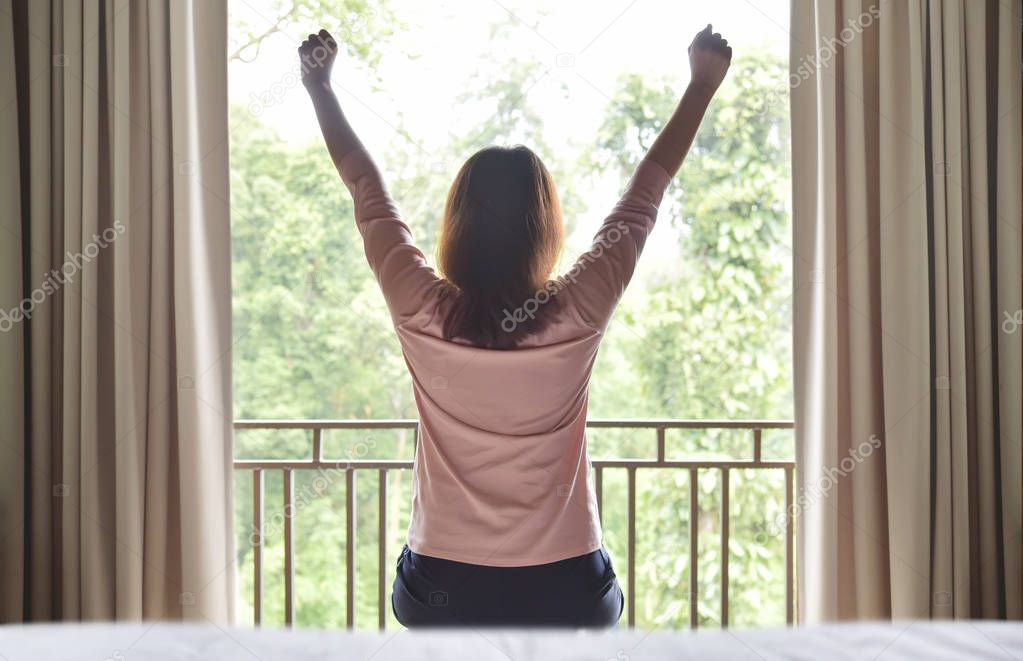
(504, 528)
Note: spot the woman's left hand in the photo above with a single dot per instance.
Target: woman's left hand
(709, 59)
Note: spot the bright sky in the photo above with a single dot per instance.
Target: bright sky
(586, 44)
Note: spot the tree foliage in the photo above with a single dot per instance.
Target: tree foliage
(360, 26)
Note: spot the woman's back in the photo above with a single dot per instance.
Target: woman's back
(501, 473)
(501, 434)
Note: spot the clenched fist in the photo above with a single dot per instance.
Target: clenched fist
(709, 58)
(317, 54)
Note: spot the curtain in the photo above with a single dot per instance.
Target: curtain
(115, 442)
(908, 319)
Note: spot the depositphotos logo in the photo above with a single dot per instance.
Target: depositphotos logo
(57, 278)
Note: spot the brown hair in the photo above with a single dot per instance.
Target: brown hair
(500, 238)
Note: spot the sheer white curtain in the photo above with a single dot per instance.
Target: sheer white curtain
(115, 447)
(906, 123)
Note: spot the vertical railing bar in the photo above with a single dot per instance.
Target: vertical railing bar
(757, 444)
(317, 444)
(660, 444)
(382, 548)
(289, 548)
(789, 597)
(599, 488)
(694, 526)
(350, 547)
(632, 547)
(725, 531)
(257, 546)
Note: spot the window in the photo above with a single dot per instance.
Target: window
(702, 333)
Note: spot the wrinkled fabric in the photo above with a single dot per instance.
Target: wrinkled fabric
(907, 263)
(115, 312)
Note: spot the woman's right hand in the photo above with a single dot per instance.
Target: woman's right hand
(709, 59)
(317, 54)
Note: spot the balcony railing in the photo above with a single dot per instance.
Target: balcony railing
(259, 467)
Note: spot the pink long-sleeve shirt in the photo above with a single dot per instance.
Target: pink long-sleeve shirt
(501, 474)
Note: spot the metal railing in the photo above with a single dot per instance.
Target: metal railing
(258, 468)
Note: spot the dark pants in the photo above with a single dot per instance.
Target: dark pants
(580, 592)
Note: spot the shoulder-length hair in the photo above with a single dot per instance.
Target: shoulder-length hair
(500, 238)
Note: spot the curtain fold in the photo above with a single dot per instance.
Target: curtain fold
(908, 318)
(116, 452)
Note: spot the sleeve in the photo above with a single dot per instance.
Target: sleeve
(399, 266)
(599, 277)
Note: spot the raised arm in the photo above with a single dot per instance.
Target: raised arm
(317, 54)
(599, 277)
(399, 266)
(709, 58)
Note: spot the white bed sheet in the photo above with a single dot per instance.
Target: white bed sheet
(900, 640)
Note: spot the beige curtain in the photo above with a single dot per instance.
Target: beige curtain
(906, 123)
(115, 442)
